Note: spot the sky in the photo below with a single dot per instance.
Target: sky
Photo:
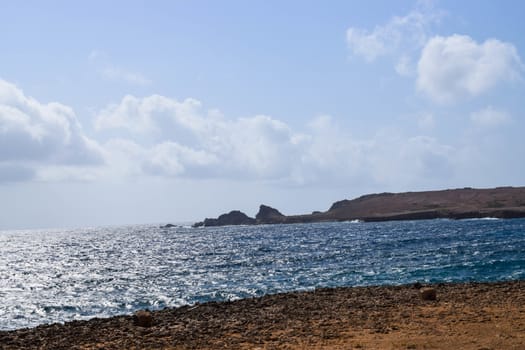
(128, 112)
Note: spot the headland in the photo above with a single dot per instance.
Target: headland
(464, 203)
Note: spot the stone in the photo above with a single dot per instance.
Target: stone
(143, 318)
(428, 293)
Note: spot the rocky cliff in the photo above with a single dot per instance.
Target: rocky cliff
(501, 202)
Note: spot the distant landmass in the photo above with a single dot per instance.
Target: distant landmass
(464, 203)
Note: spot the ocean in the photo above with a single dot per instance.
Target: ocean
(49, 276)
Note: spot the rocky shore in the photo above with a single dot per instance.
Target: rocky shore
(443, 316)
(501, 202)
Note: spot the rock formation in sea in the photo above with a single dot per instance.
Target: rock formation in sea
(168, 226)
(500, 202)
(234, 217)
(268, 215)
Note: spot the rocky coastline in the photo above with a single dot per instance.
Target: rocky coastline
(440, 316)
(465, 203)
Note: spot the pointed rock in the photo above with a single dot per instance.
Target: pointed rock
(269, 215)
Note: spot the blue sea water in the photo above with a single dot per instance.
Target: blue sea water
(51, 276)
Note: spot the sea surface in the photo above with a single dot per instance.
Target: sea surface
(49, 276)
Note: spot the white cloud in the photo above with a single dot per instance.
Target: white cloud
(208, 145)
(399, 161)
(259, 145)
(399, 37)
(184, 140)
(196, 143)
(33, 135)
(329, 153)
(454, 67)
(162, 137)
(151, 115)
(125, 158)
(172, 159)
(489, 116)
(365, 44)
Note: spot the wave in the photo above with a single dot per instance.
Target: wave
(487, 218)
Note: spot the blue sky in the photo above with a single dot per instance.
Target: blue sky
(165, 111)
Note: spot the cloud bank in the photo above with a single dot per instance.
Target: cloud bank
(161, 137)
(34, 135)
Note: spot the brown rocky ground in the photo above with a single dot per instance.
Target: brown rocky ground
(464, 316)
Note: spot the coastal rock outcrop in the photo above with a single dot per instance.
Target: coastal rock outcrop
(269, 215)
(168, 226)
(234, 217)
(462, 203)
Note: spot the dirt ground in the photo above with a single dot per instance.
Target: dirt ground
(478, 316)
